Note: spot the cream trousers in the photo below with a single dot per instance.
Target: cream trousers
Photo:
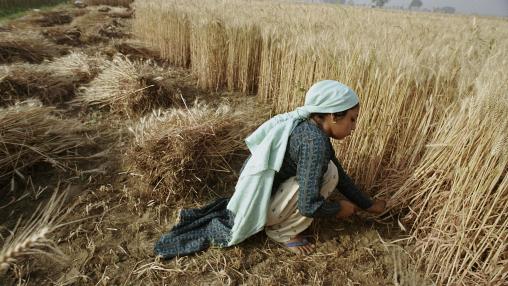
(284, 221)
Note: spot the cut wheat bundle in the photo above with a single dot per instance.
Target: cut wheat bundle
(31, 133)
(82, 66)
(31, 238)
(181, 153)
(132, 88)
(22, 81)
(53, 82)
(26, 46)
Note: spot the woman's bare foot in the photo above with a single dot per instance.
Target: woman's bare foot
(299, 245)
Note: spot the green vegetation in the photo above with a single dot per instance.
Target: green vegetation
(10, 9)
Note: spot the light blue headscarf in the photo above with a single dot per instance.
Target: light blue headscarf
(267, 145)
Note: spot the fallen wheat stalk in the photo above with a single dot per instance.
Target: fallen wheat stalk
(32, 237)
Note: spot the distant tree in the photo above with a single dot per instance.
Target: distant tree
(341, 1)
(446, 9)
(415, 4)
(351, 2)
(379, 3)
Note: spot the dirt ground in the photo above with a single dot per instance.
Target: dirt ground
(113, 245)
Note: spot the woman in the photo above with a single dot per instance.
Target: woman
(284, 183)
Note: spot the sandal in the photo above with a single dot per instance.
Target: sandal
(294, 246)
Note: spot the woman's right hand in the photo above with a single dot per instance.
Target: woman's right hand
(378, 206)
(347, 209)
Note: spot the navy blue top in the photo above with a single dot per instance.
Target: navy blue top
(307, 156)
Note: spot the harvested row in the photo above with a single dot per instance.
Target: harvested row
(31, 133)
(77, 27)
(26, 46)
(124, 3)
(54, 18)
(95, 27)
(52, 83)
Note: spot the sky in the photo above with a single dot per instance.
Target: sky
(481, 7)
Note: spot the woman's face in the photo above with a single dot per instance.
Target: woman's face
(341, 127)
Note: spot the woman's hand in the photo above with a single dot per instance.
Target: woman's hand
(378, 206)
(347, 209)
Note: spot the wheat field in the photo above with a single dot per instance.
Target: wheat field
(432, 134)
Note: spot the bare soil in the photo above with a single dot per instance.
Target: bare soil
(114, 245)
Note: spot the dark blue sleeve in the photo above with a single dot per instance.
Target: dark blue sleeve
(312, 163)
(349, 189)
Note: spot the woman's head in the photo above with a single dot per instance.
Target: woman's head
(330, 96)
(337, 125)
(334, 107)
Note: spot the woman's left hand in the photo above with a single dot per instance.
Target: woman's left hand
(378, 206)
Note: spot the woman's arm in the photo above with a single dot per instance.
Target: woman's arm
(349, 189)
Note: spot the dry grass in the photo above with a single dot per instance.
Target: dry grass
(52, 83)
(131, 88)
(184, 153)
(26, 46)
(32, 237)
(411, 72)
(32, 134)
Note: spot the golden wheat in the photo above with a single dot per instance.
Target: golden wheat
(413, 72)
